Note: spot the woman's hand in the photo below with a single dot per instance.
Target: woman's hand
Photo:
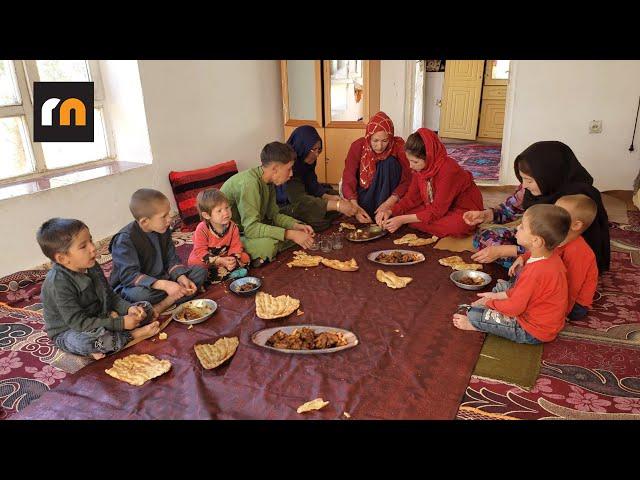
(476, 217)
(363, 217)
(387, 204)
(347, 208)
(394, 223)
(382, 216)
(487, 255)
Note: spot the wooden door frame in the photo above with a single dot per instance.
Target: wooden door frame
(288, 122)
(506, 166)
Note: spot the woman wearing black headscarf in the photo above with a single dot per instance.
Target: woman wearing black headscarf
(547, 171)
(303, 197)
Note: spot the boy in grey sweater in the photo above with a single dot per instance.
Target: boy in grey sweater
(82, 313)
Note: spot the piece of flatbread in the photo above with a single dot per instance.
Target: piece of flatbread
(138, 369)
(346, 266)
(303, 259)
(268, 307)
(457, 263)
(392, 280)
(348, 226)
(212, 355)
(316, 404)
(413, 240)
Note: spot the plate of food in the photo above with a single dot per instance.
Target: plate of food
(305, 339)
(245, 286)
(366, 233)
(194, 311)
(396, 257)
(470, 279)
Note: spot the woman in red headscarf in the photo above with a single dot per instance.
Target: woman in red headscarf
(376, 172)
(439, 194)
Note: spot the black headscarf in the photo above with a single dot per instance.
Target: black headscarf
(302, 140)
(557, 171)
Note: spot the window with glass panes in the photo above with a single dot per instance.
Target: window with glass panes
(20, 156)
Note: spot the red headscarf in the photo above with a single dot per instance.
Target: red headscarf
(436, 157)
(380, 122)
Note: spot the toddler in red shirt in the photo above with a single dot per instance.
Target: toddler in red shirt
(576, 254)
(216, 241)
(533, 310)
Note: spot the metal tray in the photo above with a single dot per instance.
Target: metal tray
(260, 338)
(372, 256)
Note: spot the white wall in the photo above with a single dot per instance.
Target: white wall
(392, 94)
(433, 94)
(198, 113)
(556, 100)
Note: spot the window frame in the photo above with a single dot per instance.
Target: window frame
(26, 73)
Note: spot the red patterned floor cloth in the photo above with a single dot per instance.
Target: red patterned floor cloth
(578, 379)
(627, 234)
(403, 367)
(410, 363)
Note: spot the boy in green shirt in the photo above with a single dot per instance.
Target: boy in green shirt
(252, 197)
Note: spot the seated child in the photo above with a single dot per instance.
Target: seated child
(145, 263)
(216, 241)
(252, 196)
(576, 254)
(534, 309)
(82, 314)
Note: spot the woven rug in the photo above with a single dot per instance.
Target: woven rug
(30, 364)
(627, 235)
(482, 160)
(591, 371)
(578, 380)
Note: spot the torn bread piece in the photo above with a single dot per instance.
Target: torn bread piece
(213, 355)
(138, 369)
(316, 404)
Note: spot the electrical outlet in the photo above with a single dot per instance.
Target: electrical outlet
(595, 126)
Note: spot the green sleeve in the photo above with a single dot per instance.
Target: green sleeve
(249, 207)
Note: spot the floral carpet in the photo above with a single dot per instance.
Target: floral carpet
(482, 160)
(579, 379)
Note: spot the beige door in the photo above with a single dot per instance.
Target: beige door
(320, 164)
(461, 99)
(338, 142)
(492, 112)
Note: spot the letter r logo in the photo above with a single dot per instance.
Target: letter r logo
(63, 111)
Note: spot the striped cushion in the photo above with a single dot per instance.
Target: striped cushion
(186, 186)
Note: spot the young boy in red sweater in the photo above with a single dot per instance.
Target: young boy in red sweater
(577, 256)
(533, 310)
(216, 241)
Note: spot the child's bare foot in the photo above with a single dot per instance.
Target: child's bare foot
(97, 356)
(462, 322)
(167, 302)
(146, 331)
